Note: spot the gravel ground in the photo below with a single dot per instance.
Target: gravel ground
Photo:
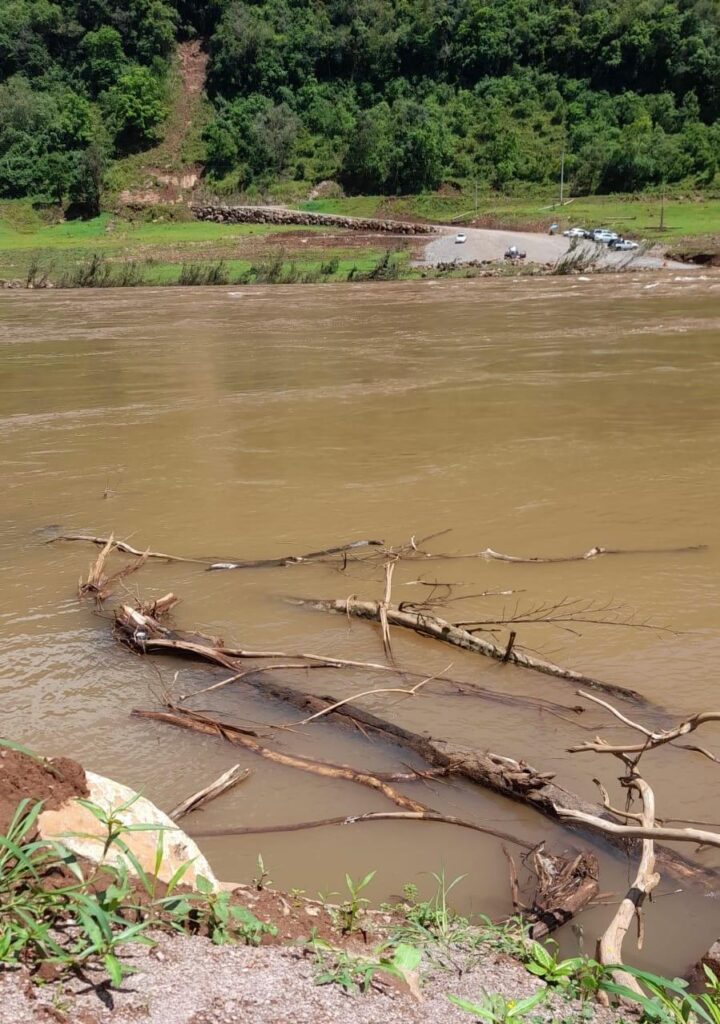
(190, 981)
(485, 244)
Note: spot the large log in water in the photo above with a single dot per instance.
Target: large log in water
(439, 629)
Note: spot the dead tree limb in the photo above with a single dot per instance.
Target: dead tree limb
(356, 819)
(383, 610)
(211, 563)
(221, 785)
(440, 629)
(122, 545)
(593, 552)
(507, 776)
(311, 556)
(612, 829)
(652, 739)
(646, 879)
(210, 726)
(143, 633)
(99, 583)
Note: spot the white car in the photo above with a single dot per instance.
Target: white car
(604, 235)
(575, 233)
(460, 238)
(623, 245)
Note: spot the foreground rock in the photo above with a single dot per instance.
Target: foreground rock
(79, 830)
(60, 783)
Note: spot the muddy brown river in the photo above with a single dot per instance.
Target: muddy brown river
(533, 417)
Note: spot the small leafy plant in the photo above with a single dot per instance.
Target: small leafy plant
(350, 910)
(262, 880)
(669, 1001)
(496, 1009)
(580, 975)
(212, 913)
(357, 973)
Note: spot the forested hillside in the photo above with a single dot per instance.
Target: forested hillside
(380, 95)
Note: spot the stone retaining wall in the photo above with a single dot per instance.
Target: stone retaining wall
(278, 215)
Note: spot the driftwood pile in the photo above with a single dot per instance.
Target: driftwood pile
(565, 884)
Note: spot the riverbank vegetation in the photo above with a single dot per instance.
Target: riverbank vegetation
(67, 920)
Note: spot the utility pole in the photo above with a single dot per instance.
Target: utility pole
(476, 197)
(562, 171)
(662, 210)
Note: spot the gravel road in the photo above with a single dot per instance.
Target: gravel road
(484, 244)
(190, 981)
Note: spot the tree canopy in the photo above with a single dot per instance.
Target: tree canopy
(385, 96)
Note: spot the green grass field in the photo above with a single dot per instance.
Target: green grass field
(630, 215)
(158, 250)
(27, 239)
(38, 238)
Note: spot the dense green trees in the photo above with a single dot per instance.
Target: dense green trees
(81, 81)
(383, 95)
(395, 95)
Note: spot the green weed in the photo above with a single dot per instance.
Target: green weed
(105, 910)
(669, 1001)
(496, 1009)
(262, 880)
(350, 910)
(357, 973)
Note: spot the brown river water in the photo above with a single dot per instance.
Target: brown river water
(535, 417)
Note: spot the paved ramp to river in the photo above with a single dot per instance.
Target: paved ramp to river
(485, 244)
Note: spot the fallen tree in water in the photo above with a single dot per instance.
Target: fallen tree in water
(141, 629)
(504, 775)
(439, 629)
(408, 550)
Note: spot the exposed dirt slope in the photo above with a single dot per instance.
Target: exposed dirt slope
(164, 174)
(23, 777)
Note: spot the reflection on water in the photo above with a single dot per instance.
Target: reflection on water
(535, 417)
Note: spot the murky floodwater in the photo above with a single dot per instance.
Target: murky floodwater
(537, 417)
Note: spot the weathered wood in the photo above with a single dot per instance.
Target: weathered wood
(506, 776)
(446, 632)
(213, 563)
(646, 879)
(357, 819)
(141, 631)
(203, 796)
(594, 552)
(564, 888)
(210, 726)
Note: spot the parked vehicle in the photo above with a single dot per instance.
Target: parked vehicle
(513, 253)
(603, 235)
(576, 233)
(623, 245)
(460, 238)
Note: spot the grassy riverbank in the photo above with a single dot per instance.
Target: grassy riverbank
(164, 245)
(634, 215)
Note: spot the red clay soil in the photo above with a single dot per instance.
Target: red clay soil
(295, 917)
(52, 781)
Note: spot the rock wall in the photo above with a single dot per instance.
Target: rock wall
(279, 215)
